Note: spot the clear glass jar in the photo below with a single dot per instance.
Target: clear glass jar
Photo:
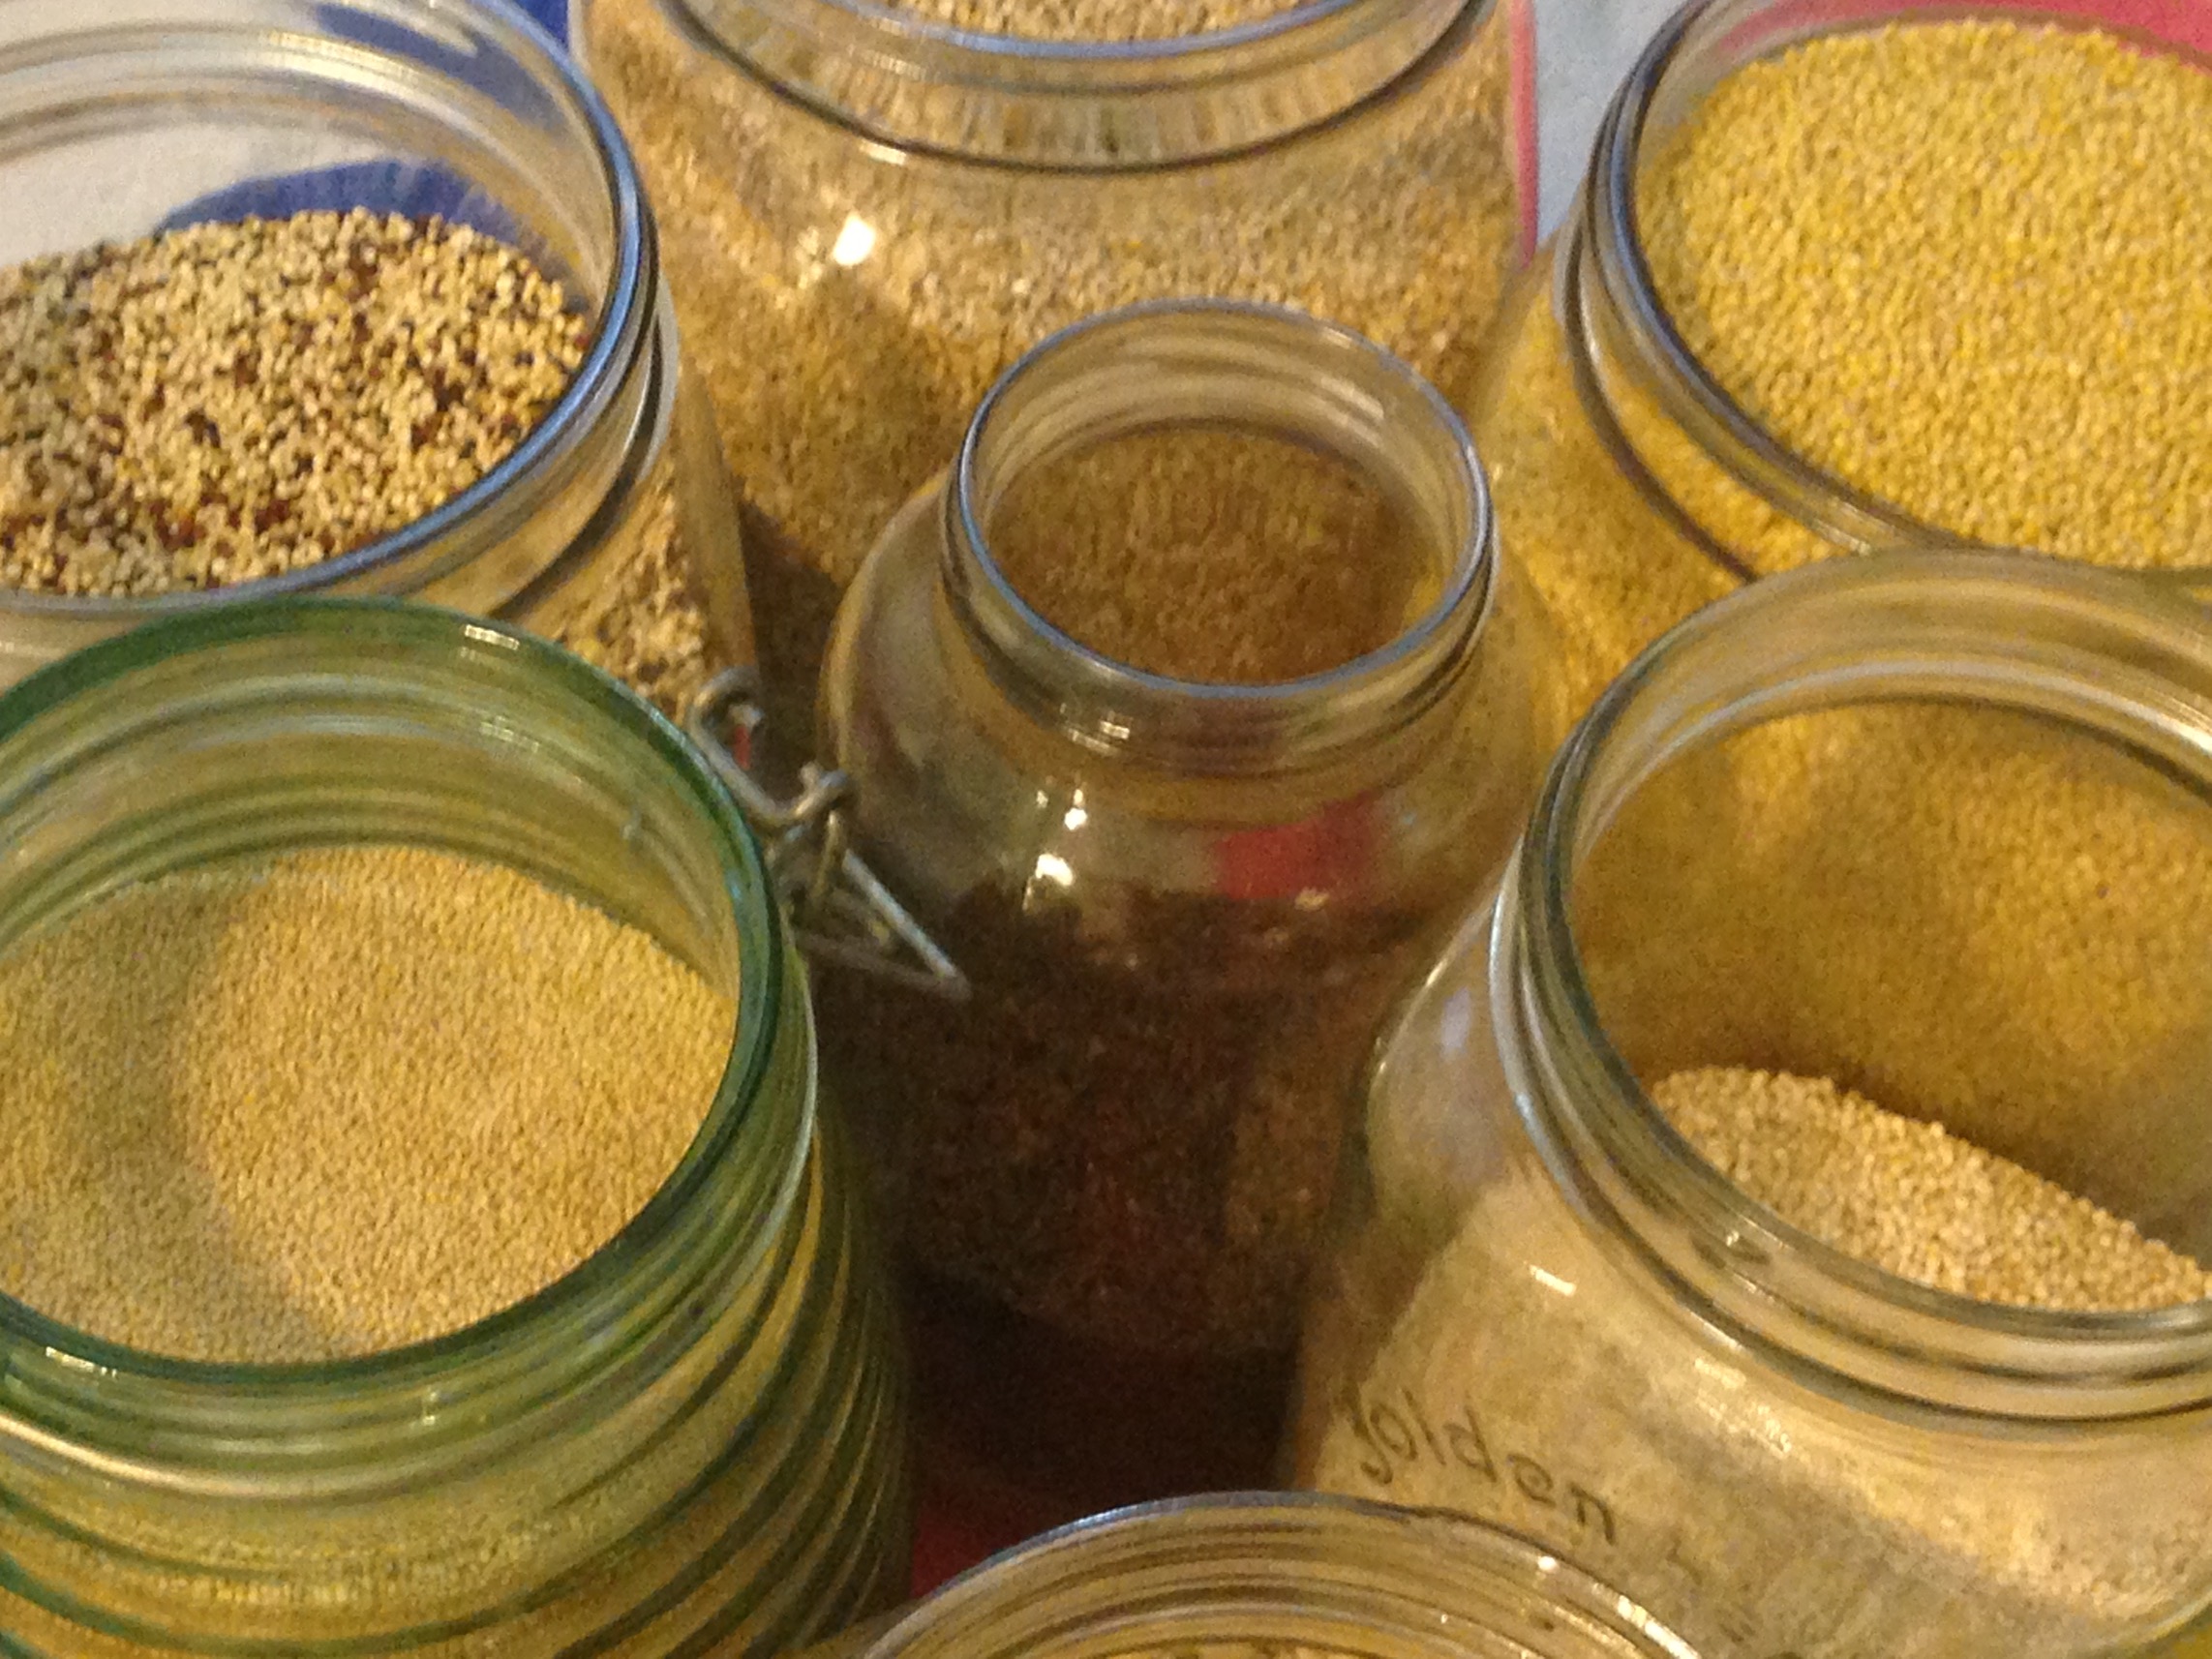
(869, 215)
(1181, 910)
(1544, 1308)
(136, 116)
(1630, 485)
(1278, 1573)
(693, 1443)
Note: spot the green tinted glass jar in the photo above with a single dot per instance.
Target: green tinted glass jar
(692, 1443)
(462, 110)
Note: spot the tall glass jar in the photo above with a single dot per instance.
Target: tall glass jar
(1631, 484)
(1545, 1307)
(138, 116)
(1278, 1573)
(692, 1443)
(1181, 909)
(870, 214)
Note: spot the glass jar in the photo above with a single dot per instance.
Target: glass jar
(1935, 827)
(869, 215)
(457, 109)
(1629, 483)
(694, 1442)
(1181, 910)
(1278, 1573)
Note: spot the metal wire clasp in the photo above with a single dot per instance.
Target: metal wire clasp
(840, 910)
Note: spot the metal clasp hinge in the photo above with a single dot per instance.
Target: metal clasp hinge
(840, 910)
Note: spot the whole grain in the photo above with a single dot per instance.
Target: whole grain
(849, 304)
(1097, 20)
(235, 399)
(1959, 265)
(1903, 1195)
(342, 1102)
(651, 631)
(1213, 555)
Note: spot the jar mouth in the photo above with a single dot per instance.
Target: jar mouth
(498, 667)
(362, 52)
(1603, 253)
(1083, 105)
(1266, 369)
(1299, 1568)
(2039, 635)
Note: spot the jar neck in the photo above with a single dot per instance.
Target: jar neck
(2092, 651)
(474, 114)
(314, 723)
(1255, 369)
(1279, 1572)
(1632, 363)
(916, 84)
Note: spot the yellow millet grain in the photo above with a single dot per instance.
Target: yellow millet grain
(232, 401)
(1903, 1195)
(1967, 267)
(1213, 555)
(1097, 20)
(341, 1102)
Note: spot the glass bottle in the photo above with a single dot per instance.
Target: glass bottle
(1277, 1572)
(1181, 908)
(1933, 826)
(1631, 485)
(694, 1442)
(459, 109)
(869, 214)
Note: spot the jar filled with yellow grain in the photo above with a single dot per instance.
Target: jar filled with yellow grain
(870, 211)
(1793, 1197)
(1180, 812)
(1243, 1575)
(341, 296)
(1881, 276)
(417, 1231)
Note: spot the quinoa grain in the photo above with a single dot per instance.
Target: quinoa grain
(352, 1099)
(232, 401)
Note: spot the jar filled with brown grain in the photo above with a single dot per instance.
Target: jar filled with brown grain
(1793, 1197)
(1182, 715)
(272, 1383)
(349, 296)
(1887, 276)
(1242, 1575)
(869, 211)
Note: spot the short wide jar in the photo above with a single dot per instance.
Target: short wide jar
(133, 117)
(1182, 906)
(694, 1442)
(1933, 829)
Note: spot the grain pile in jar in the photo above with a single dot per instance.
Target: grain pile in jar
(850, 287)
(234, 400)
(341, 1102)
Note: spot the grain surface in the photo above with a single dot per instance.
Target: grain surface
(344, 1101)
(236, 400)
(1097, 20)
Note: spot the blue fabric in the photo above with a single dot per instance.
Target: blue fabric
(552, 14)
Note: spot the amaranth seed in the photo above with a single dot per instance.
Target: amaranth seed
(345, 1102)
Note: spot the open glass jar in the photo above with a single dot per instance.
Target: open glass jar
(1934, 827)
(1180, 908)
(1271, 1573)
(694, 1442)
(869, 214)
(1632, 484)
(398, 106)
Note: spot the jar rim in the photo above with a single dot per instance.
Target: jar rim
(2093, 644)
(1083, 105)
(1244, 1548)
(1604, 261)
(624, 325)
(1114, 707)
(623, 717)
